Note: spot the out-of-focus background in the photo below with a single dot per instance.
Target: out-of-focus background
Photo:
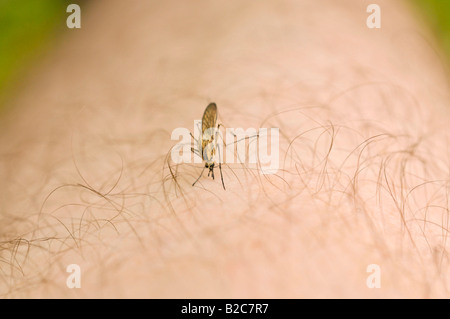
(28, 28)
(437, 15)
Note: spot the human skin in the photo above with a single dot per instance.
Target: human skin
(363, 114)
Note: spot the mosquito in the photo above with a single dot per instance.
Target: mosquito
(207, 142)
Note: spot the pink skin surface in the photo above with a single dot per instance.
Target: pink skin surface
(87, 179)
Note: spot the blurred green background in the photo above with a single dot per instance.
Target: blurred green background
(437, 14)
(27, 26)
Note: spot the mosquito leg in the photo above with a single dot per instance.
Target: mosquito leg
(221, 176)
(193, 137)
(193, 150)
(199, 176)
(220, 169)
(196, 143)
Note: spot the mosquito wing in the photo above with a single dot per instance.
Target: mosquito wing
(209, 119)
(209, 122)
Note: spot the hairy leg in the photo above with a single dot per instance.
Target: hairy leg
(363, 116)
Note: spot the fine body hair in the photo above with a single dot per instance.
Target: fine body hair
(364, 174)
